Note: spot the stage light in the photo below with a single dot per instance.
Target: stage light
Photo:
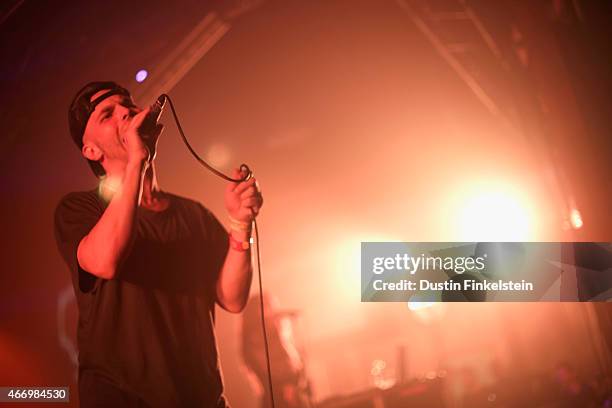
(141, 75)
(576, 218)
(494, 213)
(380, 375)
(425, 311)
(416, 305)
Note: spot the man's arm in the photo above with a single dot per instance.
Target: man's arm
(101, 251)
(243, 202)
(234, 281)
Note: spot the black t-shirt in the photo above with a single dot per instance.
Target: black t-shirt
(150, 330)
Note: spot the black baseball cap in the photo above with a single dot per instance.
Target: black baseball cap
(81, 109)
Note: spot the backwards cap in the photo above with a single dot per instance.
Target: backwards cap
(81, 109)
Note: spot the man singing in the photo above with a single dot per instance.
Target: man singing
(147, 266)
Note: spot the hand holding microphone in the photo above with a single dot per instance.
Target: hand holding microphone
(147, 129)
(243, 200)
(150, 127)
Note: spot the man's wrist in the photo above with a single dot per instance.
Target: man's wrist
(239, 226)
(239, 244)
(242, 236)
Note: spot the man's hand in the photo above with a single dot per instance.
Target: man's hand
(243, 200)
(137, 150)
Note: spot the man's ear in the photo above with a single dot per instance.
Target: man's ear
(91, 152)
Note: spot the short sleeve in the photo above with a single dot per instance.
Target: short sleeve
(75, 216)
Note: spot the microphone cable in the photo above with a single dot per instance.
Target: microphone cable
(245, 169)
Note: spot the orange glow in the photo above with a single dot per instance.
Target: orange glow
(218, 155)
(494, 213)
(346, 261)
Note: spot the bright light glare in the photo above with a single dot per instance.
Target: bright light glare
(415, 305)
(426, 312)
(576, 219)
(340, 296)
(345, 260)
(494, 214)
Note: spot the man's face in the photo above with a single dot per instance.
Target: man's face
(107, 124)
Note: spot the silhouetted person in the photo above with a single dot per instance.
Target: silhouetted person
(291, 388)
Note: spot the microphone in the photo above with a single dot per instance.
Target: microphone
(149, 125)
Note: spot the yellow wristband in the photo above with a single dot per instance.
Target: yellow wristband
(235, 221)
(236, 225)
